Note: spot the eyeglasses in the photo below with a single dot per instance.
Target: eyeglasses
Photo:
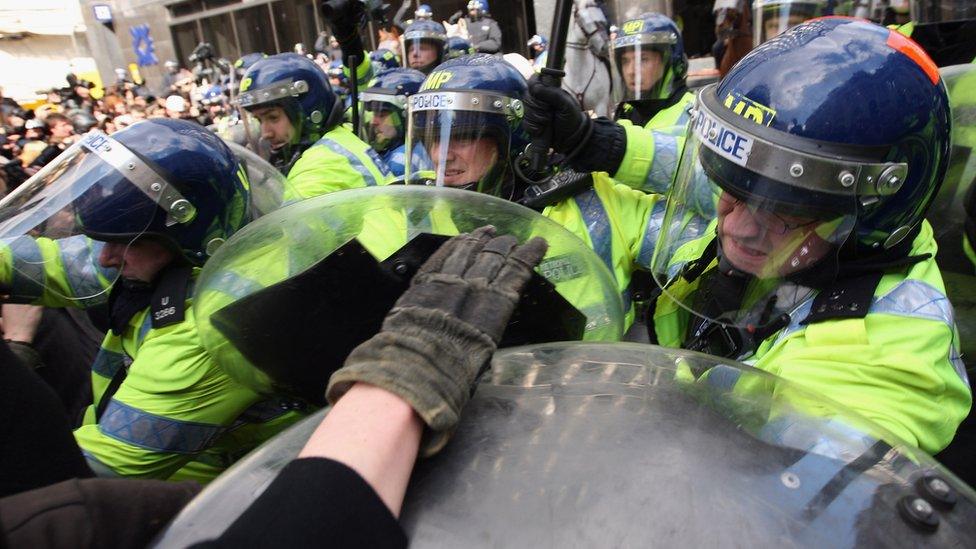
(772, 221)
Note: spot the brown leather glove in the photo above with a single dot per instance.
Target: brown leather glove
(442, 331)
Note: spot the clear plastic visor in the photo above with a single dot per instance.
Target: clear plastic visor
(460, 148)
(422, 50)
(729, 216)
(383, 125)
(59, 220)
(774, 17)
(268, 186)
(641, 66)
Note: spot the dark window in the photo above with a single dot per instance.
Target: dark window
(218, 31)
(185, 38)
(185, 8)
(295, 23)
(254, 30)
(211, 4)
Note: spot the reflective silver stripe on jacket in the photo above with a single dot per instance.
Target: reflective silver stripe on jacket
(354, 160)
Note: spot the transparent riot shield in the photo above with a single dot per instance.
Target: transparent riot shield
(282, 302)
(625, 445)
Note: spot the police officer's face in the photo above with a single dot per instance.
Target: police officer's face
(421, 54)
(466, 160)
(276, 129)
(382, 124)
(649, 68)
(139, 260)
(766, 244)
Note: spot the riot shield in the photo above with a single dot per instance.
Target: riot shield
(285, 300)
(626, 445)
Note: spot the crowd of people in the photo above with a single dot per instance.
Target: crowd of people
(772, 229)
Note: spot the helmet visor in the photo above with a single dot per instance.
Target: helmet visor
(642, 65)
(97, 190)
(770, 225)
(465, 137)
(422, 49)
(774, 17)
(383, 124)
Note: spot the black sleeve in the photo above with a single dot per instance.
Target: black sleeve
(35, 435)
(315, 502)
(604, 150)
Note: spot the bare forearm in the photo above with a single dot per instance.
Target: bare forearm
(377, 434)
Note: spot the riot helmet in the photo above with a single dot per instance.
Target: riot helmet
(457, 46)
(245, 62)
(296, 85)
(423, 13)
(337, 78)
(170, 181)
(468, 118)
(383, 59)
(537, 44)
(649, 59)
(476, 9)
(774, 17)
(794, 172)
(384, 107)
(423, 45)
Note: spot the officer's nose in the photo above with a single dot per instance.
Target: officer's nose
(742, 222)
(267, 130)
(111, 255)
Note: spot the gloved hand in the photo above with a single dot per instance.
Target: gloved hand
(455, 17)
(552, 110)
(345, 16)
(443, 330)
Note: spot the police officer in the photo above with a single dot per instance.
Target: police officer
(423, 45)
(384, 114)
(650, 62)
(467, 118)
(131, 219)
(793, 237)
(483, 31)
(300, 116)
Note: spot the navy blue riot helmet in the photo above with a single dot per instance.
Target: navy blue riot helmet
(384, 107)
(384, 59)
(166, 179)
(457, 46)
(246, 60)
(836, 119)
(297, 85)
(649, 59)
(423, 12)
(468, 118)
(423, 45)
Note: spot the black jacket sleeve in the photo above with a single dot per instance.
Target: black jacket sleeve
(38, 448)
(315, 502)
